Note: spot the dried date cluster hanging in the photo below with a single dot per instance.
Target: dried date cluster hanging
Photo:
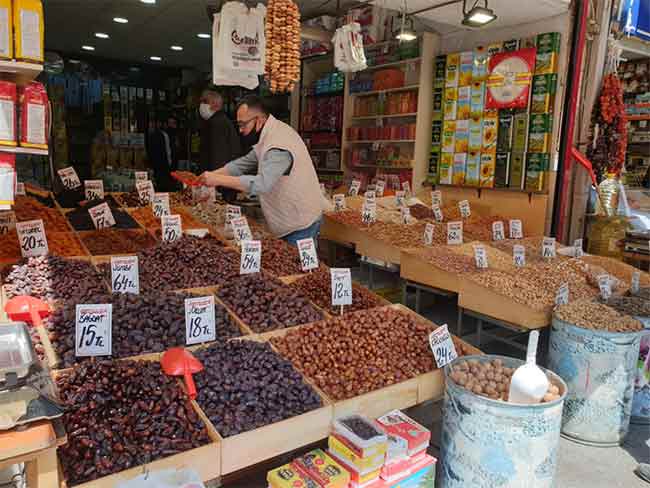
(283, 45)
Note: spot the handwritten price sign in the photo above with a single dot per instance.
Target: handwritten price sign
(308, 255)
(172, 227)
(241, 230)
(454, 233)
(93, 330)
(31, 237)
(94, 189)
(436, 198)
(160, 204)
(519, 255)
(516, 229)
(341, 286)
(251, 257)
(339, 202)
(498, 231)
(442, 346)
(354, 188)
(102, 216)
(199, 320)
(464, 208)
(69, 178)
(548, 247)
(125, 276)
(145, 191)
(379, 189)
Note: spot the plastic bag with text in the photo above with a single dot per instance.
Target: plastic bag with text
(168, 478)
(226, 77)
(241, 40)
(349, 55)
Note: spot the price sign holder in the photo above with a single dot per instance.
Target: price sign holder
(464, 208)
(7, 222)
(480, 257)
(125, 275)
(93, 329)
(69, 178)
(454, 233)
(636, 282)
(251, 257)
(199, 320)
(354, 188)
(232, 212)
(562, 295)
(548, 247)
(160, 204)
(370, 197)
(400, 198)
(519, 255)
(436, 198)
(428, 235)
(605, 286)
(307, 253)
(437, 213)
(405, 214)
(172, 227)
(94, 189)
(442, 346)
(368, 213)
(20, 189)
(498, 231)
(577, 248)
(102, 216)
(32, 239)
(380, 188)
(339, 202)
(145, 191)
(516, 229)
(341, 287)
(241, 230)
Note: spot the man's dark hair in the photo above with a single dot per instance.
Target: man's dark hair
(254, 102)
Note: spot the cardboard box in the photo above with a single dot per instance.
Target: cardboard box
(446, 167)
(451, 103)
(439, 71)
(475, 134)
(458, 174)
(520, 132)
(506, 124)
(466, 66)
(490, 130)
(357, 478)
(543, 93)
(488, 166)
(461, 139)
(548, 50)
(350, 455)
(436, 134)
(537, 165)
(517, 170)
(539, 138)
(463, 105)
(422, 474)
(438, 103)
(288, 476)
(480, 67)
(448, 136)
(502, 170)
(473, 168)
(477, 99)
(323, 469)
(452, 70)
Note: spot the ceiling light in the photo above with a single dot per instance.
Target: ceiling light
(203, 35)
(155, 58)
(151, 2)
(477, 16)
(406, 33)
(74, 61)
(134, 69)
(101, 35)
(88, 48)
(176, 48)
(120, 20)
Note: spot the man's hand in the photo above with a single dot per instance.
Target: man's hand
(211, 178)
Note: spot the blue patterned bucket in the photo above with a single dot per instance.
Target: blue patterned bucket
(489, 443)
(599, 368)
(641, 400)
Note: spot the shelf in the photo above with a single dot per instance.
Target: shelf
(24, 150)
(377, 166)
(19, 72)
(328, 170)
(639, 117)
(481, 188)
(328, 94)
(387, 90)
(394, 63)
(384, 141)
(370, 117)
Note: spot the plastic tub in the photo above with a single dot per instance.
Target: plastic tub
(641, 399)
(599, 368)
(488, 443)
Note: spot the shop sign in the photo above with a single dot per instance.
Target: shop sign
(93, 329)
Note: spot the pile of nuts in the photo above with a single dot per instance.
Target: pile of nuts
(80, 218)
(347, 217)
(130, 199)
(421, 212)
(634, 306)
(491, 379)
(552, 274)
(123, 414)
(446, 259)
(517, 288)
(596, 316)
(617, 269)
(495, 258)
(405, 236)
(317, 286)
(362, 351)
(532, 246)
(28, 208)
(183, 197)
(210, 214)
(245, 385)
(118, 241)
(141, 324)
(282, 45)
(264, 303)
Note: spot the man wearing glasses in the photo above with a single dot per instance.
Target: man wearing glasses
(278, 169)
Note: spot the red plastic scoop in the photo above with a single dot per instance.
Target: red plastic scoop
(190, 179)
(28, 309)
(179, 362)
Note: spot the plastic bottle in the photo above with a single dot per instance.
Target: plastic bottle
(529, 383)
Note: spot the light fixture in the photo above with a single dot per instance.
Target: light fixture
(101, 35)
(74, 61)
(150, 2)
(203, 35)
(120, 20)
(88, 48)
(477, 16)
(176, 48)
(155, 58)
(405, 33)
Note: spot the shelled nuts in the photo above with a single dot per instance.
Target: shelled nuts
(617, 269)
(495, 258)
(183, 197)
(347, 217)
(245, 385)
(517, 288)
(282, 30)
(123, 414)
(80, 219)
(597, 316)
(446, 259)
(632, 305)
(420, 211)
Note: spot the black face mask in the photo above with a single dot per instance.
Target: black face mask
(252, 138)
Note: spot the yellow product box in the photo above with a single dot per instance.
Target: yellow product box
(477, 99)
(520, 132)
(6, 30)
(451, 103)
(475, 134)
(288, 476)
(357, 478)
(458, 173)
(543, 93)
(548, 49)
(480, 66)
(320, 467)
(451, 70)
(537, 164)
(461, 139)
(490, 130)
(465, 71)
(28, 30)
(473, 168)
(350, 457)
(448, 136)
(445, 169)
(463, 105)
(494, 48)
(488, 165)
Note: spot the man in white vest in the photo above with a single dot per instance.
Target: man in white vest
(278, 169)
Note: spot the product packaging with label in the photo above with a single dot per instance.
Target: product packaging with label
(477, 99)
(461, 137)
(543, 97)
(502, 170)
(511, 45)
(34, 122)
(323, 469)
(8, 98)
(438, 103)
(488, 166)
(446, 167)
(358, 478)
(451, 103)
(28, 30)
(475, 141)
(548, 50)
(504, 139)
(398, 424)
(490, 130)
(458, 174)
(463, 105)
(466, 66)
(439, 72)
(448, 136)
(480, 65)
(536, 166)
(288, 476)
(473, 168)
(6, 30)
(520, 132)
(539, 138)
(517, 169)
(436, 134)
(452, 70)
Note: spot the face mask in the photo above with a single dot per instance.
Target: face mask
(252, 138)
(205, 111)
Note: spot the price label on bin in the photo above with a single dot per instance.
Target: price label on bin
(341, 286)
(480, 257)
(199, 320)
(406, 186)
(125, 275)
(577, 248)
(102, 216)
(20, 189)
(519, 255)
(428, 235)
(379, 189)
(354, 188)
(605, 286)
(636, 281)
(562, 295)
(400, 199)
(368, 213)
(464, 208)
(307, 253)
(548, 247)
(437, 213)
(405, 212)
(141, 176)
(454, 233)
(241, 230)
(436, 198)
(31, 237)
(7, 222)
(232, 212)
(145, 191)
(339, 202)
(69, 178)
(370, 197)
(251, 257)
(93, 329)
(442, 346)
(172, 227)
(516, 229)
(94, 189)
(160, 204)
(498, 231)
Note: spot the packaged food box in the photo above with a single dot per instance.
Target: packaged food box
(543, 93)
(436, 133)
(463, 104)
(502, 170)
(451, 103)
(445, 168)
(490, 130)
(439, 71)
(479, 68)
(422, 474)
(399, 424)
(438, 103)
(28, 30)
(6, 33)
(466, 65)
(475, 134)
(8, 102)
(511, 45)
(477, 99)
(448, 136)
(517, 170)
(548, 49)
(536, 166)
(488, 163)
(397, 449)
(451, 70)
(320, 467)
(434, 162)
(352, 455)
(458, 173)
(539, 137)
(357, 478)
(401, 468)
(461, 138)
(288, 476)
(473, 168)
(362, 433)
(504, 138)
(520, 132)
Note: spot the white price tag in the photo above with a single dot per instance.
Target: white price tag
(480, 257)
(368, 213)
(102, 216)
(371, 187)
(199, 320)
(437, 213)
(454, 233)
(69, 178)
(498, 231)
(548, 247)
(519, 255)
(371, 197)
(322, 189)
(400, 198)
(406, 186)
(442, 346)
(93, 329)
(562, 295)
(354, 188)
(428, 235)
(125, 275)
(307, 253)
(577, 248)
(141, 176)
(31, 237)
(465, 210)
(94, 189)
(160, 204)
(7, 222)
(605, 286)
(232, 212)
(145, 191)
(516, 229)
(201, 233)
(341, 286)
(379, 189)
(241, 230)
(339, 202)
(251, 257)
(405, 213)
(172, 227)
(436, 198)
(636, 279)
(20, 189)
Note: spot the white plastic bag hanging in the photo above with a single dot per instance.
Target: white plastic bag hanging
(349, 56)
(168, 478)
(7, 180)
(223, 76)
(241, 40)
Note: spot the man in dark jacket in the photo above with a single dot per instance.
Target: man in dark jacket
(219, 139)
(161, 151)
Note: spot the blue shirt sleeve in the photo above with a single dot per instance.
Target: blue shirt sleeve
(247, 164)
(276, 163)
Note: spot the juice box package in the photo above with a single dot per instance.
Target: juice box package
(480, 66)
(473, 168)
(539, 137)
(490, 130)
(448, 136)
(320, 467)
(502, 170)
(506, 122)
(511, 45)
(458, 173)
(475, 134)
(436, 134)
(422, 474)
(536, 166)
(451, 103)
(28, 30)
(517, 170)
(434, 161)
(439, 71)
(520, 132)
(445, 169)
(463, 105)
(543, 93)
(461, 139)
(288, 476)
(548, 49)
(466, 66)
(451, 70)
(477, 98)
(438, 103)
(488, 163)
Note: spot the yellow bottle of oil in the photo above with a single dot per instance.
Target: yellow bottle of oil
(28, 30)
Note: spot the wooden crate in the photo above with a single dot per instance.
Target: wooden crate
(414, 269)
(375, 249)
(337, 232)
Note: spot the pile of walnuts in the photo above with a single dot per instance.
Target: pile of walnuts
(282, 45)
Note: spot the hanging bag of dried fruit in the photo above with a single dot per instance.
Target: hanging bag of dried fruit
(283, 50)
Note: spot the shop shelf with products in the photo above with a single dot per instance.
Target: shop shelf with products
(19, 72)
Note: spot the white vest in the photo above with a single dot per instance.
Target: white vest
(294, 202)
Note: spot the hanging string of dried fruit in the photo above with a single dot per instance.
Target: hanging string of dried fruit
(609, 129)
(282, 45)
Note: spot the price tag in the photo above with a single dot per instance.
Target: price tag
(368, 213)
(454, 233)
(204, 194)
(548, 247)
(7, 222)
(200, 233)
(605, 286)
(141, 176)
(437, 213)
(31, 237)
(354, 188)
(172, 227)
(199, 320)
(241, 230)
(20, 189)
(232, 212)
(339, 202)
(69, 178)
(400, 199)
(480, 257)
(406, 186)
(371, 197)
(519, 255)
(160, 204)
(380, 187)
(251, 257)
(562, 295)
(577, 248)
(516, 229)
(102, 216)
(341, 286)
(442, 347)
(145, 191)
(94, 189)
(498, 231)
(436, 198)
(307, 253)
(125, 275)
(465, 211)
(636, 279)
(371, 187)
(93, 329)
(428, 235)
(406, 214)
